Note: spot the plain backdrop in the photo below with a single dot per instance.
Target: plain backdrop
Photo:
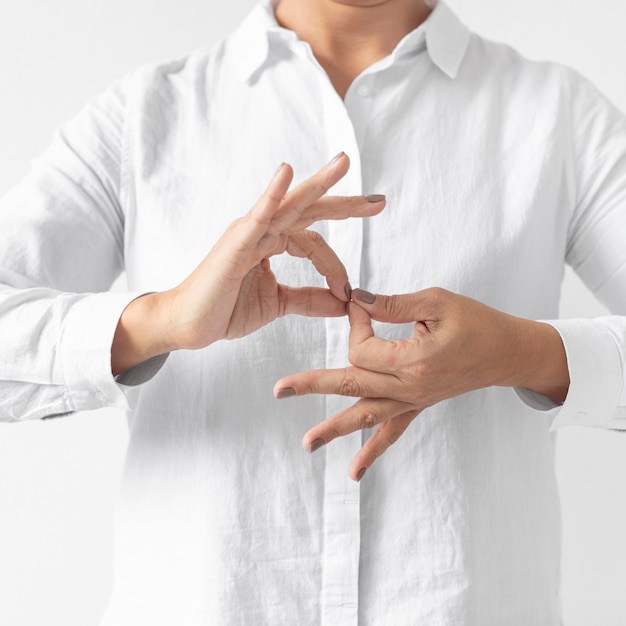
(58, 479)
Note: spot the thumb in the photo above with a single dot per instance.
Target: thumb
(360, 325)
(403, 308)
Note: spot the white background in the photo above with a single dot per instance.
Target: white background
(58, 479)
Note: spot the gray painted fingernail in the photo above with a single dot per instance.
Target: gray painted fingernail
(375, 197)
(316, 445)
(363, 296)
(288, 392)
(348, 290)
(335, 159)
(280, 167)
(361, 474)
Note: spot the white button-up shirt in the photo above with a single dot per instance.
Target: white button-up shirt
(497, 171)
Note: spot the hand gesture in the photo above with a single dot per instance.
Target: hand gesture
(458, 345)
(233, 291)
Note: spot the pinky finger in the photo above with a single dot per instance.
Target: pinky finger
(385, 436)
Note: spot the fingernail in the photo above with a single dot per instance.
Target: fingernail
(316, 445)
(361, 474)
(335, 159)
(288, 392)
(280, 167)
(348, 290)
(375, 197)
(363, 296)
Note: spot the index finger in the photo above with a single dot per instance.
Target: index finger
(312, 245)
(299, 199)
(340, 208)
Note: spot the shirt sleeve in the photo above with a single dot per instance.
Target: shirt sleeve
(61, 248)
(596, 250)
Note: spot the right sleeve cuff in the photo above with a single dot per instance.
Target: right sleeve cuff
(85, 350)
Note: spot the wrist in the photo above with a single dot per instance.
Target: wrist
(541, 362)
(143, 332)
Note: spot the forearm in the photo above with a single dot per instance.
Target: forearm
(142, 332)
(540, 362)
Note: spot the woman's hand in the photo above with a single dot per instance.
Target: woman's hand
(233, 291)
(458, 345)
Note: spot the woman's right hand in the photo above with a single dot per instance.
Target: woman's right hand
(233, 291)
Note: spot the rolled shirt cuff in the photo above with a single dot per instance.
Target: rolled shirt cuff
(596, 378)
(85, 348)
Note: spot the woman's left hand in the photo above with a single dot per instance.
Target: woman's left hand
(458, 345)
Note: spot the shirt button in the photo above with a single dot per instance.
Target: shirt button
(581, 415)
(363, 91)
(101, 397)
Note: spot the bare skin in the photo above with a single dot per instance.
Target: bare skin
(347, 36)
(458, 345)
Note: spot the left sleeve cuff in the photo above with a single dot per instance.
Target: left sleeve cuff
(596, 377)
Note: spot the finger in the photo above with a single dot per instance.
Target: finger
(309, 301)
(301, 197)
(311, 245)
(385, 436)
(367, 351)
(340, 208)
(420, 306)
(360, 326)
(254, 226)
(347, 381)
(364, 414)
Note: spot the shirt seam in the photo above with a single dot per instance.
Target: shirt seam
(125, 171)
(621, 367)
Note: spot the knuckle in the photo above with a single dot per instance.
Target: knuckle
(308, 305)
(315, 239)
(334, 431)
(368, 419)
(349, 387)
(436, 297)
(323, 184)
(237, 223)
(424, 370)
(307, 387)
(393, 305)
(435, 292)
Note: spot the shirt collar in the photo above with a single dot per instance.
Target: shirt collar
(446, 38)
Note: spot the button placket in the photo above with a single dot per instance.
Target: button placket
(341, 495)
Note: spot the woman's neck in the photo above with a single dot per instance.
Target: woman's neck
(347, 36)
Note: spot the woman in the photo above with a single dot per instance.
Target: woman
(489, 187)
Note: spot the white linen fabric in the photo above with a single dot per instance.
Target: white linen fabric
(497, 171)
